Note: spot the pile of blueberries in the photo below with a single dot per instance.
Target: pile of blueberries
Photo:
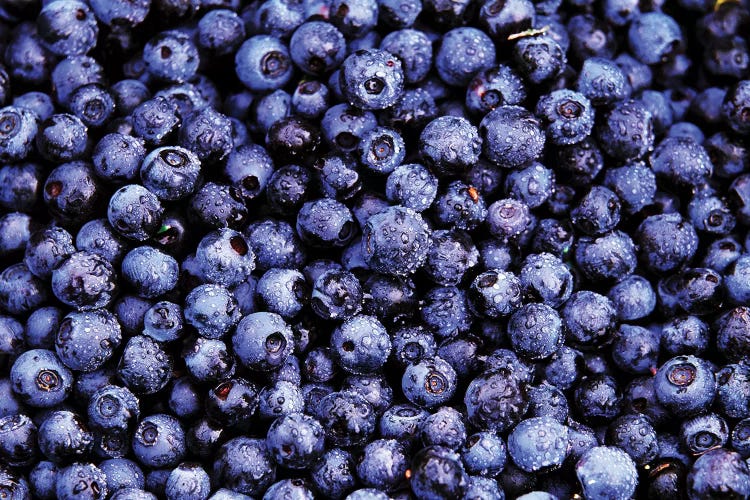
(374, 249)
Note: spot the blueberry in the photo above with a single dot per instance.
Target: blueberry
(654, 37)
(334, 474)
(347, 417)
(685, 385)
(135, 212)
(354, 17)
(80, 480)
(633, 117)
(317, 47)
(64, 437)
(164, 321)
(220, 32)
(413, 186)
(383, 464)
(19, 436)
(606, 472)
(495, 400)
(602, 81)
(719, 472)
(249, 167)
(732, 386)
(598, 398)
(336, 294)
(232, 402)
(42, 480)
(263, 63)
(325, 223)
(262, 341)
(361, 344)
(40, 379)
(705, 432)
(311, 99)
(122, 473)
(371, 79)
(72, 193)
(295, 440)
(666, 242)
(538, 443)
(117, 158)
(155, 120)
(633, 298)
(159, 441)
(413, 48)
(609, 257)
(171, 173)
(67, 27)
(20, 186)
(635, 435)
(511, 136)
(539, 58)
(682, 161)
(208, 134)
(460, 205)
(437, 472)
(171, 56)
(18, 130)
(245, 465)
(451, 255)
(144, 367)
(208, 360)
(275, 244)
(535, 331)
(86, 340)
(113, 408)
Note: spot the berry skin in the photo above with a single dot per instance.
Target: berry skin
(511, 136)
(542, 338)
(460, 205)
(135, 212)
(296, 440)
(606, 472)
(145, 367)
(609, 257)
(685, 385)
(18, 130)
(496, 400)
(155, 120)
(361, 345)
(150, 272)
(395, 241)
(682, 161)
(159, 441)
(568, 116)
(371, 79)
(449, 145)
(40, 379)
(633, 117)
(325, 223)
(414, 49)
(538, 443)
(437, 472)
(263, 63)
(463, 52)
(262, 341)
(171, 173)
(85, 281)
(67, 28)
(80, 480)
(484, 454)
(429, 382)
(718, 473)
